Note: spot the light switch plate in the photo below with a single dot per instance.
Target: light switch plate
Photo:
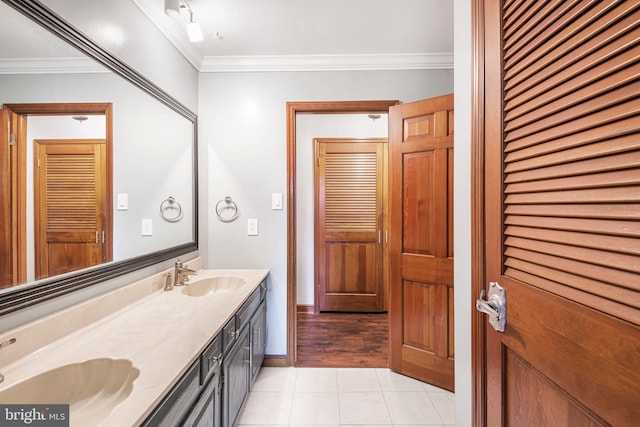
(122, 201)
(147, 227)
(276, 201)
(252, 227)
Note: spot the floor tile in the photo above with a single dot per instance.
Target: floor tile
(276, 379)
(357, 379)
(445, 405)
(391, 381)
(317, 408)
(411, 408)
(364, 408)
(267, 408)
(316, 380)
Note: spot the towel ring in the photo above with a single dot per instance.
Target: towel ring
(170, 204)
(230, 205)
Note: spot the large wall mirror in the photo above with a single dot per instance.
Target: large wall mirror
(62, 94)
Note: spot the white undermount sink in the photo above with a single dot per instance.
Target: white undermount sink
(213, 285)
(92, 388)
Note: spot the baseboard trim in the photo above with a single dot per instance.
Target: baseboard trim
(275, 361)
(305, 308)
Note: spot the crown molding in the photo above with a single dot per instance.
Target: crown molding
(50, 66)
(375, 62)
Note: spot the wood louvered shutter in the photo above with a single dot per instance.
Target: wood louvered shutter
(349, 225)
(70, 204)
(572, 152)
(563, 211)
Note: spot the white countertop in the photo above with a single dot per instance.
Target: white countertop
(162, 334)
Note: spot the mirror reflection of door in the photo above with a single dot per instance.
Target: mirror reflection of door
(21, 124)
(349, 224)
(69, 205)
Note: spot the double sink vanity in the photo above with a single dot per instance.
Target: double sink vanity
(141, 355)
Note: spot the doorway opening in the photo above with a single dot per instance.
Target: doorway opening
(294, 108)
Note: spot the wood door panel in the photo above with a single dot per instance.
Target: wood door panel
(570, 354)
(351, 268)
(521, 409)
(65, 257)
(427, 269)
(419, 222)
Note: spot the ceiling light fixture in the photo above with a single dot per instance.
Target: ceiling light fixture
(172, 8)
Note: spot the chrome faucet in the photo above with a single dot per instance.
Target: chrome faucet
(2, 345)
(181, 274)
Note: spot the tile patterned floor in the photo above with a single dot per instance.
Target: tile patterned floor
(333, 397)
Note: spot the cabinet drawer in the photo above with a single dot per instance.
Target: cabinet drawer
(229, 335)
(248, 308)
(210, 360)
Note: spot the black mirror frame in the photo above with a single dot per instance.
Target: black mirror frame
(48, 289)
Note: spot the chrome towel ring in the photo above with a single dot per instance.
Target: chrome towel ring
(230, 207)
(169, 205)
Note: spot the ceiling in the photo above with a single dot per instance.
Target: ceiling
(312, 35)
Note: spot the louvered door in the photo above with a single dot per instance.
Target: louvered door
(70, 205)
(563, 211)
(349, 203)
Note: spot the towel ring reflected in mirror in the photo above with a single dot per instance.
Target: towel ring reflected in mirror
(227, 212)
(170, 210)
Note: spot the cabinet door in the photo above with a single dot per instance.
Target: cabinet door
(176, 406)
(206, 411)
(235, 369)
(258, 340)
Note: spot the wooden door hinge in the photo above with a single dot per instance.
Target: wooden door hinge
(13, 139)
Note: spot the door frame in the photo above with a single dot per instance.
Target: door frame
(59, 109)
(478, 323)
(293, 108)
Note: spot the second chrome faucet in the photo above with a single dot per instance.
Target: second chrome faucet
(181, 274)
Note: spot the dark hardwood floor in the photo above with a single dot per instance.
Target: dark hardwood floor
(343, 340)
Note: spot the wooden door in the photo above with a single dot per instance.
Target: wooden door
(562, 204)
(6, 242)
(421, 240)
(349, 225)
(70, 205)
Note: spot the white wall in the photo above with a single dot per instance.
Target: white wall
(308, 127)
(462, 211)
(242, 149)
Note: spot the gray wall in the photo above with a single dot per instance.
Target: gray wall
(242, 139)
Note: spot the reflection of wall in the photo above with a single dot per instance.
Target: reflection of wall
(123, 29)
(52, 127)
(320, 126)
(242, 137)
(152, 152)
